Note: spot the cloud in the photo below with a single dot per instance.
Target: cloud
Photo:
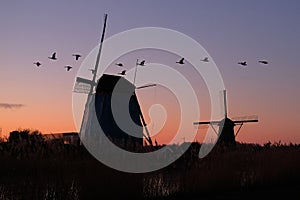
(11, 105)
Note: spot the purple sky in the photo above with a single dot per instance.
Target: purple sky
(231, 31)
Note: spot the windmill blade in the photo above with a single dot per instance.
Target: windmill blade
(206, 125)
(145, 86)
(207, 122)
(245, 119)
(144, 124)
(98, 55)
(223, 103)
(147, 136)
(237, 132)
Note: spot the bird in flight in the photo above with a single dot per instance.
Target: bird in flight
(68, 67)
(77, 56)
(243, 63)
(92, 70)
(53, 57)
(37, 64)
(119, 64)
(263, 62)
(123, 72)
(205, 59)
(142, 63)
(180, 61)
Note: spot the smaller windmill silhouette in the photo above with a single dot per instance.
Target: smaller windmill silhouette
(226, 131)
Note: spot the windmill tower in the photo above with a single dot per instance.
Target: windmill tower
(103, 105)
(226, 133)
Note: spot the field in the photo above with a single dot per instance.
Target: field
(40, 169)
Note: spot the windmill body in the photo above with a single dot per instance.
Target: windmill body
(103, 104)
(100, 101)
(226, 134)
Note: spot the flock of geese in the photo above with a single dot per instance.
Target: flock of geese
(54, 57)
(142, 63)
(181, 62)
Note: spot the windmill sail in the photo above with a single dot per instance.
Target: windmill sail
(83, 85)
(87, 87)
(89, 122)
(248, 118)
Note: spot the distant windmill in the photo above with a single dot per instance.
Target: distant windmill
(226, 134)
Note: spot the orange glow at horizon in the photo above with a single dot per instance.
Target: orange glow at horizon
(54, 115)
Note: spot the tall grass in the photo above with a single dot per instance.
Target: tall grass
(41, 169)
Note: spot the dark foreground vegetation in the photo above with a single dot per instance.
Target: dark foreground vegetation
(36, 168)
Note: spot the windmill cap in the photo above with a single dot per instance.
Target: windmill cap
(227, 122)
(107, 83)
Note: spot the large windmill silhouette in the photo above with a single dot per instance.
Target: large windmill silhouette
(99, 96)
(226, 133)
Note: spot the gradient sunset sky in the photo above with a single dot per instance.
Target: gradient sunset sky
(231, 31)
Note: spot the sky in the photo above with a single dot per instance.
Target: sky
(230, 31)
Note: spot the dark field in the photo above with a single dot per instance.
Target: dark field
(40, 169)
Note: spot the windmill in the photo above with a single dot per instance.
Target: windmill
(226, 132)
(99, 98)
